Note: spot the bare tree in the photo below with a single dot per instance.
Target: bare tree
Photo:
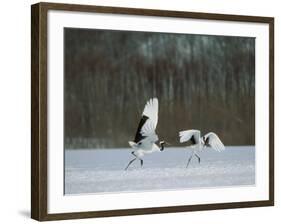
(204, 82)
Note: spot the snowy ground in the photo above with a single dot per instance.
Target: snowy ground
(93, 171)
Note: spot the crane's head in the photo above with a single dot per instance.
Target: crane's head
(162, 144)
(205, 141)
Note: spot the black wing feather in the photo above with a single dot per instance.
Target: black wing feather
(139, 136)
(192, 139)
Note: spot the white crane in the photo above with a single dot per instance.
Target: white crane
(198, 143)
(146, 137)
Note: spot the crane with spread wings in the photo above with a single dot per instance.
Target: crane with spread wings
(198, 143)
(146, 137)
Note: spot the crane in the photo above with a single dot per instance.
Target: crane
(146, 137)
(198, 143)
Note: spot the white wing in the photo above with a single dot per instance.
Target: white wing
(148, 130)
(151, 111)
(213, 140)
(187, 135)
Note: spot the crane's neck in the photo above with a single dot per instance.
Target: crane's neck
(204, 143)
(162, 146)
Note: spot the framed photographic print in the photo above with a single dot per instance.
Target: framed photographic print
(140, 111)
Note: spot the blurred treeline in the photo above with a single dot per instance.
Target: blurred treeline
(202, 82)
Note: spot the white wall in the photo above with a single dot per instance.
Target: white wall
(15, 111)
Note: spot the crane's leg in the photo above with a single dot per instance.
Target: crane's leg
(130, 163)
(198, 157)
(141, 162)
(190, 158)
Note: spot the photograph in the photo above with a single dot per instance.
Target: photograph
(151, 111)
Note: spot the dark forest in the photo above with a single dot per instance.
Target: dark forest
(202, 82)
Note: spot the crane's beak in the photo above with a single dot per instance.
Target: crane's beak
(167, 143)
